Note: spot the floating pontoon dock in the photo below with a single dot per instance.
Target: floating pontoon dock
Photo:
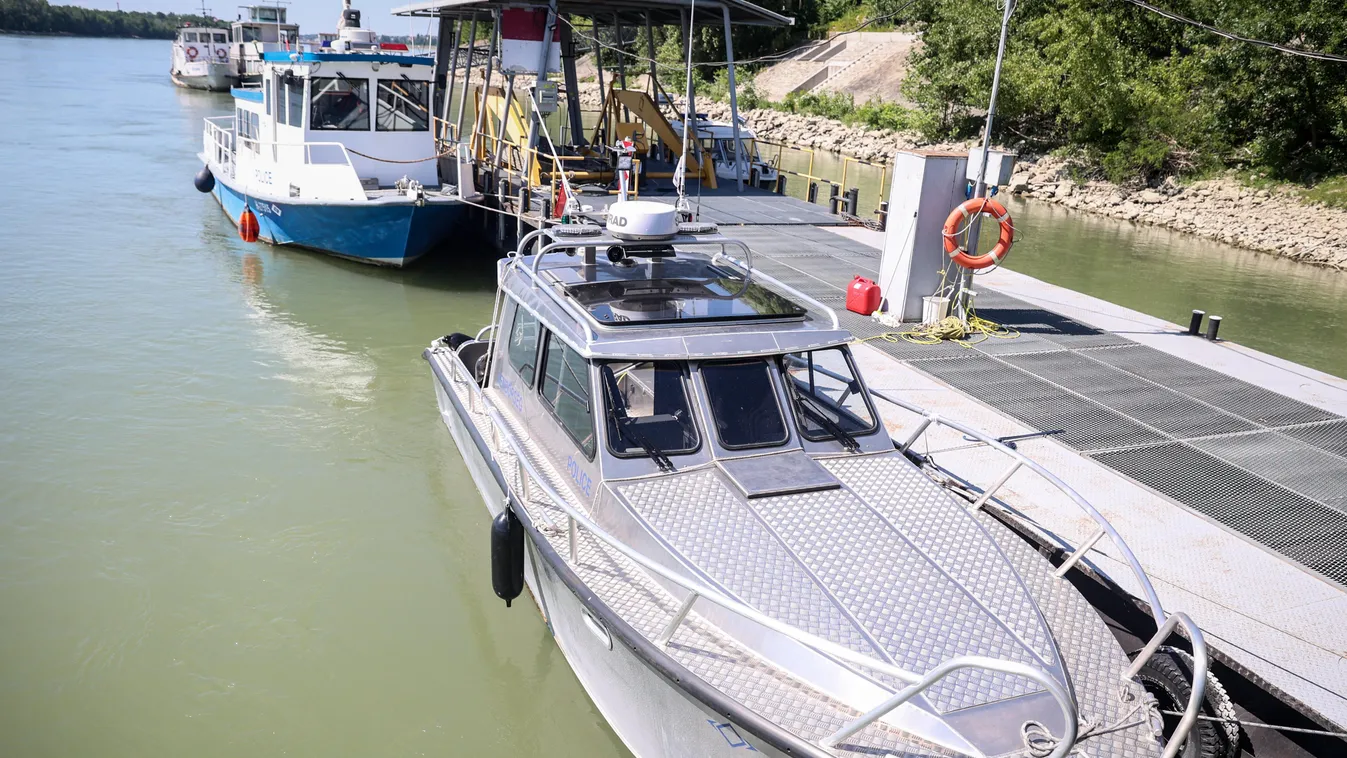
(1224, 464)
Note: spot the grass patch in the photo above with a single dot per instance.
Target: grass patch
(1331, 192)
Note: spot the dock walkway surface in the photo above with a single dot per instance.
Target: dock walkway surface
(1231, 491)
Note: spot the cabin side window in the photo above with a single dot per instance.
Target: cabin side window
(404, 106)
(743, 404)
(220, 39)
(523, 347)
(564, 388)
(252, 33)
(189, 36)
(827, 395)
(295, 100)
(339, 103)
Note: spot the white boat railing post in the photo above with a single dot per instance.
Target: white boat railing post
(1078, 553)
(916, 433)
(573, 539)
(990, 491)
(1200, 669)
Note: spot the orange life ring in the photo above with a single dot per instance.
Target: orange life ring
(957, 221)
(221, 54)
(191, 53)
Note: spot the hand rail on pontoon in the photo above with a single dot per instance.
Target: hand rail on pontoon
(918, 682)
(1165, 622)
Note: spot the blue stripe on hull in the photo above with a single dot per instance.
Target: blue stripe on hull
(386, 235)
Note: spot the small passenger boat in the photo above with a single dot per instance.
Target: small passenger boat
(333, 152)
(689, 476)
(717, 138)
(202, 59)
(265, 30)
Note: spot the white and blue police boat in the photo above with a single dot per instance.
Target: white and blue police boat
(333, 152)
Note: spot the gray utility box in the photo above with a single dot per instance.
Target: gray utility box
(927, 185)
(1000, 166)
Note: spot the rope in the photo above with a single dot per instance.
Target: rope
(1041, 742)
(950, 328)
(1258, 725)
(389, 160)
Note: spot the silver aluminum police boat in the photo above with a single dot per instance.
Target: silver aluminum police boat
(688, 475)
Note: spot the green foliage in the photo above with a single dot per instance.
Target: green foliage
(1137, 93)
(37, 16)
(841, 106)
(1331, 192)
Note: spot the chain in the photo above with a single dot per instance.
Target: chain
(1258, 725)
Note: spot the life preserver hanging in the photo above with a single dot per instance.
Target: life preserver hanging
(958, 221)
(191, 53)
(221, 54)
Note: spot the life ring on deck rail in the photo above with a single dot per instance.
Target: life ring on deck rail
(221, 54)
(958, 221)
(190, 52)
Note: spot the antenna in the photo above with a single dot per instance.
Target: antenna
(680, 173)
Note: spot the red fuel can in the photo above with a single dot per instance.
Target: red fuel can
(863, 296)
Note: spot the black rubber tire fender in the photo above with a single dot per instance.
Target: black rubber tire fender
(1168, 676)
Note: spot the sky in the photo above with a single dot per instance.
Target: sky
(313, 16)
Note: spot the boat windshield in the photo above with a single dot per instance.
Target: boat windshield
(743, 404)
(829, 400)
(648, 410)
(747, 150)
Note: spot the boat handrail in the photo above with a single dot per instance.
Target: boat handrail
(1164, 621)
(917, 682)
(307, 153)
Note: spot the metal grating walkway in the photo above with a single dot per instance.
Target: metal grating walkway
(1263, 464)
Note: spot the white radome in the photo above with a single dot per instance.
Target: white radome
(642, 220)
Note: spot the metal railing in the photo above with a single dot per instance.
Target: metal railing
(531, 478)
(220, 140)
(1165, 622)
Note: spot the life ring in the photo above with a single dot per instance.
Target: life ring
(221, 54)
(191, 53)
(956, 223)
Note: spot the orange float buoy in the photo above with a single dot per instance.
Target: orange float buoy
(248, 225)
(957, 221)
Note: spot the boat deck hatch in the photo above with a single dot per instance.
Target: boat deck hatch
(673, 291)
(779, 474)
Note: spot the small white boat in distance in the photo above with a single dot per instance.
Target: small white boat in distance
(202, 59)
(265, 30)
(333, 152)
(688, 474)
(717, 138)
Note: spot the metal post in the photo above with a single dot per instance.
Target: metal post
(990, 491)
(603, 91)
(1213, 326)
(453, 77)
(543, 54)
(486, 80)
(467, 77)
(572, 537)
(883, 214)
(961, 303)
(690, 129)
(668, 632)
(734, 98)
(833, 200)
(441, 86)
(650, 53)
(1079, 553)
(621, 64)
(572, 85)
(504, 114)
(853, 200)
(812, 195)
(1195, 323)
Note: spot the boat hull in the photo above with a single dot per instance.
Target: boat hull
(212, 77)
(653, 717)
(381, 233)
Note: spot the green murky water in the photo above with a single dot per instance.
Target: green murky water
(231, 522)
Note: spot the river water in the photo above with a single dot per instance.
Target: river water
(231, 522)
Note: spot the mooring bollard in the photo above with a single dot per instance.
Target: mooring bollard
(502, 192)
(883, 215)
(812, 194)
(834, 201)
(1195, 324)
(780, 184)
(1213, 326)
(853, 200)
(524, 207)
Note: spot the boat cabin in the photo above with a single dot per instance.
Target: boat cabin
(636, 359)
(333, 126)
(202, 44)
(717, 138)
(264, 30)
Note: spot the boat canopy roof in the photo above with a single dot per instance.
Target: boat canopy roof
(662, 12)
(681, 298)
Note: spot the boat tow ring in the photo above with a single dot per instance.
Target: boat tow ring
(221, 53)
(958, 221)
(191, 53)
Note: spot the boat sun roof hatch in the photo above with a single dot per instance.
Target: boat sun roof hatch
(666, 282)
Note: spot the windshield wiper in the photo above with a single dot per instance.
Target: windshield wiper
(625, 424)
(813, 408)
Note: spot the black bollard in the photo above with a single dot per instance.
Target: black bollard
(780, 184)
(833, 200)
(812, 194)
(853, 200)
(883, 214)
(1213, 326)
(1195, 324)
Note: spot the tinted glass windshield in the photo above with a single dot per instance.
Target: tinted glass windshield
(743, 404)
(648, 408)
(404, 106)
(339, 104)
(827, 394)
